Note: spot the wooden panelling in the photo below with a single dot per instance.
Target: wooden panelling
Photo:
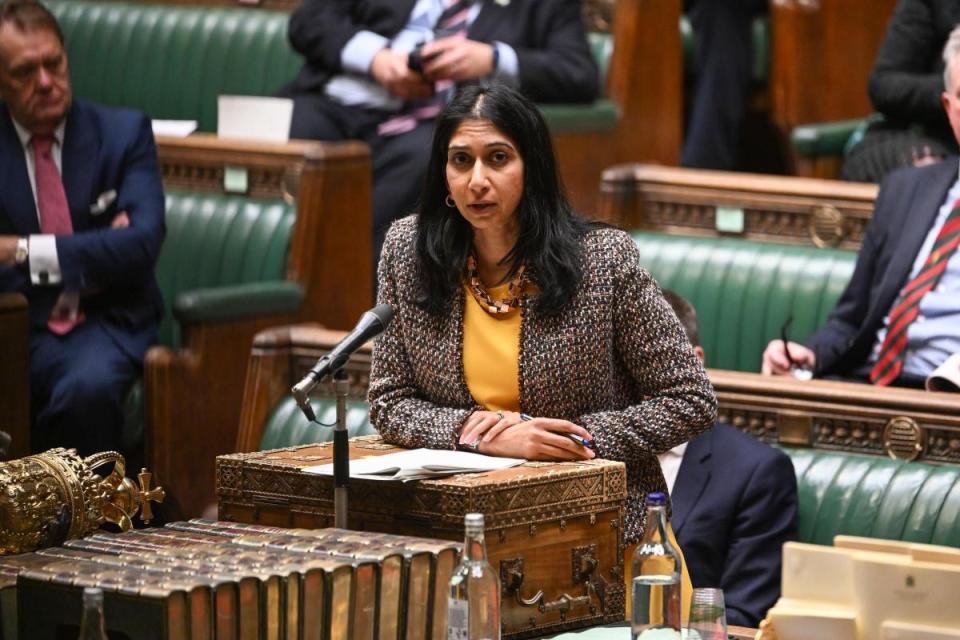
(772, 208)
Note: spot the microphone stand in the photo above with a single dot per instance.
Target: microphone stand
(341, 451)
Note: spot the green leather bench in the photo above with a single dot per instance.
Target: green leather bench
(821, 147)
(224, 257)
(222, 271)
(875, 497)
(744, 291)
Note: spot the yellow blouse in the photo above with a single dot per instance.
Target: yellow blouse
(491, 353)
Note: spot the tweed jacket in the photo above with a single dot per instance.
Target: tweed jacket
(616, 361)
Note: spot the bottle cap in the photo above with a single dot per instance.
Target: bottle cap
(656, 499)
(92, 594)
(473, 520)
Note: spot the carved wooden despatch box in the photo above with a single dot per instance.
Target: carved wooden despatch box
(553, 530)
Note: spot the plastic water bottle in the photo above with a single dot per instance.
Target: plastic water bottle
(91, 623)
(656, 578)
(474, 602)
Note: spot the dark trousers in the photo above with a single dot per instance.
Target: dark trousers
(78, 383)
(399, 162)
(722, 64)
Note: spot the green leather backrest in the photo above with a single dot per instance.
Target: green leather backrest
(173, 61)
(286, 426)
(601, 45)
(744, 291)
(214, 241)
(876, 497)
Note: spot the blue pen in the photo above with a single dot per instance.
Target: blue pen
(583, 442)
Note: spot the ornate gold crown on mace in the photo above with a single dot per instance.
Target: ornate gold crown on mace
(54, 496)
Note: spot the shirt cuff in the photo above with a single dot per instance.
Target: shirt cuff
(359, 52)
(507, 66)
(44, 261)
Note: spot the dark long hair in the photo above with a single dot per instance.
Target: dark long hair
(549, 242)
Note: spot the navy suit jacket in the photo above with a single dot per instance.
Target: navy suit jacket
(906, 208)
(554, 59)
(734, 505)
(104, 150)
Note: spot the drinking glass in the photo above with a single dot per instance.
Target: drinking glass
(708, 615)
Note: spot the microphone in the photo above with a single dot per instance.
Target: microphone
(371, 324)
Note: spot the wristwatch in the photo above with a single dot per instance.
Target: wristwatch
(23, 251)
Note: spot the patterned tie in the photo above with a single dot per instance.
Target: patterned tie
(907, 306)
(51, 198)
(55, 220)
(452, 22)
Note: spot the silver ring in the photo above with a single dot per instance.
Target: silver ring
(473, 446)
(500, 415)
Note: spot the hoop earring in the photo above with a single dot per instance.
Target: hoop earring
(449, 202)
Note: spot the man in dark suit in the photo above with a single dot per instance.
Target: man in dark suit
(899, 317)
(734, 505)
(81, 224)
(361, 79)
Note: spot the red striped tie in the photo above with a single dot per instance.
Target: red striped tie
(907, 307)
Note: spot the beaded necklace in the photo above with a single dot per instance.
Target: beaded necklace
(515, 291)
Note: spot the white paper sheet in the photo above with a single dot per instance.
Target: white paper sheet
(174, 128)
(417, 464)
(254, 118)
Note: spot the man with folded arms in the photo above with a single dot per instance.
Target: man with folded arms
(81, 224)
(899, 317)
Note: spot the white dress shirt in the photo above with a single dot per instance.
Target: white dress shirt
(44, 262)
(670, 462)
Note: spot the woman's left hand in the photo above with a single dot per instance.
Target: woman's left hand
(480, 423)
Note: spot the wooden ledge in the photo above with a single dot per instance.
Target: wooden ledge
(860, 418)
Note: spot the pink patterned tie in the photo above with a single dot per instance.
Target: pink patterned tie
(54, 220)
(452, 22)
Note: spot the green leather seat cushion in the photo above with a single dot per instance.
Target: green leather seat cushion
(745, 291)
(875, 497)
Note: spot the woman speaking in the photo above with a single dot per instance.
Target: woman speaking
(522, 329)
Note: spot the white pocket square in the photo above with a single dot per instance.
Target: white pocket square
(104, 200)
